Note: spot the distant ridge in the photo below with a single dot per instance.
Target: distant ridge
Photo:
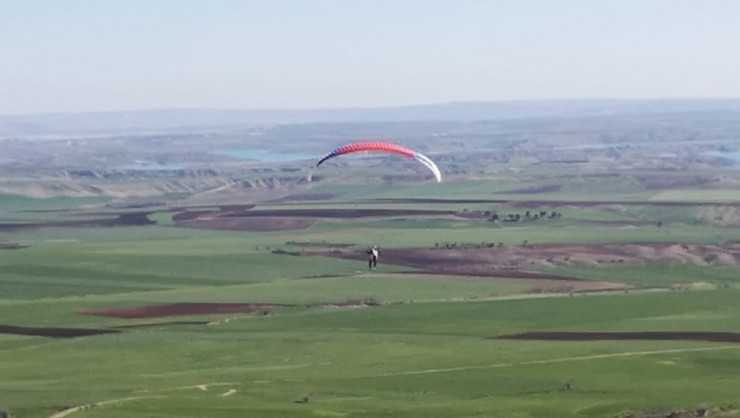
(199, 120)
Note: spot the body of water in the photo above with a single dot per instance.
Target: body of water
(732, 155)
(265, 156)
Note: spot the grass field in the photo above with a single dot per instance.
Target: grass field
(420, 346)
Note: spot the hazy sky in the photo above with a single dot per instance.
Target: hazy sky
(91, 55)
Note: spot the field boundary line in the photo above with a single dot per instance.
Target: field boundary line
(560, 360)
(70, 411)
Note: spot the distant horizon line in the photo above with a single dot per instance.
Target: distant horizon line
(378, 107)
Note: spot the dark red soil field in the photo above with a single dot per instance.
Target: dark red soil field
(53, 332)
(283, 219)
(464, 263)
(160, 324)
(223, 211)
(727, 337)
(247, 224)
(124, 219)
(318, 244)
(525, 261)
(234, 208)
(205, 207)
(342, 213)
(549, 188)
(181, 309)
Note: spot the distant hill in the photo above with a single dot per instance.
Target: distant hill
(201, 120)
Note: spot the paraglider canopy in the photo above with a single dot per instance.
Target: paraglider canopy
(387, 148)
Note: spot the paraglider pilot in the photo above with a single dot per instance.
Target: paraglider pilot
(372, 261)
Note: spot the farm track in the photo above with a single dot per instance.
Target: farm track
(560, 360)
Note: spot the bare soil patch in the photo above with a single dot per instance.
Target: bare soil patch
(181, 309)
(160, 324)
(223, 211)
(53, 332)
(236, 208)
(721, 215)
(247, 224)
(548, 188)
(319, 244)
(344, 213)
(283, 219)
(124, 219)
(727, 337)
(526, 262)
(521, 258)
(464, 263)
(676, 182)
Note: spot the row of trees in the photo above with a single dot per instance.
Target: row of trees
(528, 216)
(484, 244)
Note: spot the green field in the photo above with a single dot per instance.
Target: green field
(422, 348)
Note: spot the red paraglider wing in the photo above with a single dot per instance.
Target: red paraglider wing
(383, 147)
(369, 146)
